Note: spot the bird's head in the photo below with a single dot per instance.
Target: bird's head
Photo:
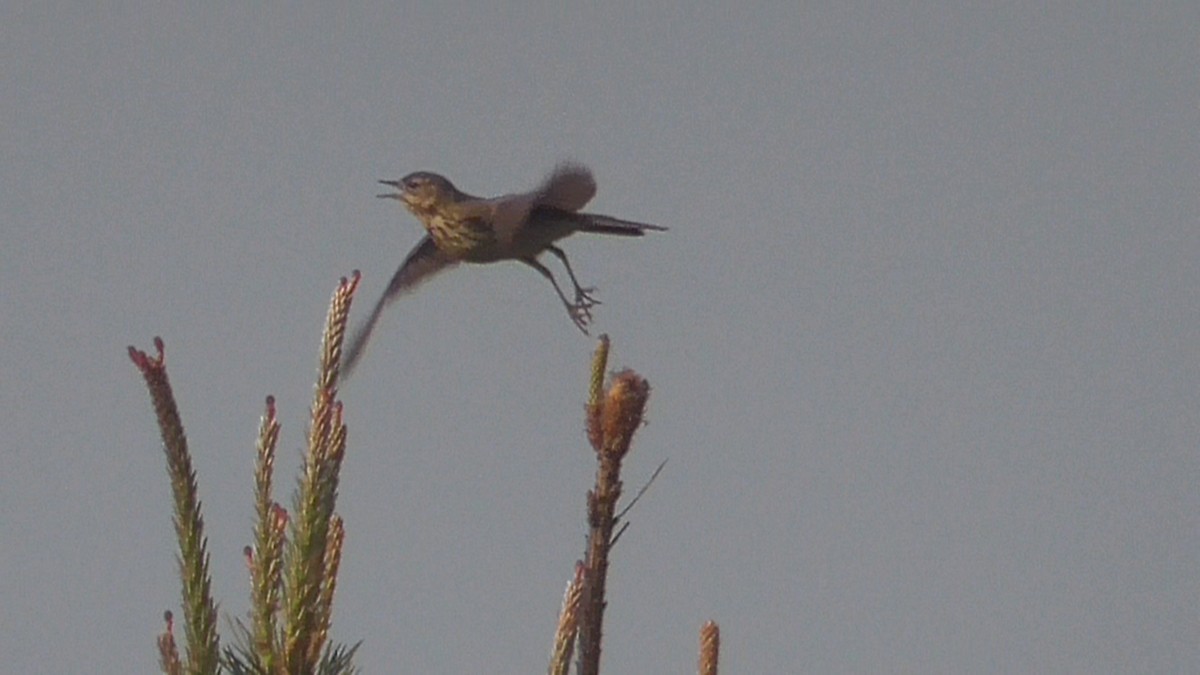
(423, 191)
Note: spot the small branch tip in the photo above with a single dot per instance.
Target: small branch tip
(143, 361)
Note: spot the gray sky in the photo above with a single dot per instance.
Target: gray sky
(922, 336)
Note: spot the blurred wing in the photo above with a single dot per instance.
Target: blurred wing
(568, 188)
(508, 214)
(422, 262)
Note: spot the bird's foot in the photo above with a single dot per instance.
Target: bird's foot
(581, 311)
(581, 314)
(584, 298)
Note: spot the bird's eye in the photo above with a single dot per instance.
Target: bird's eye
(413, 183)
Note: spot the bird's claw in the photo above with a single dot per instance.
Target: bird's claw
(583, 297)
(581, 313)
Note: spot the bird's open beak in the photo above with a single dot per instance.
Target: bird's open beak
(391, 195)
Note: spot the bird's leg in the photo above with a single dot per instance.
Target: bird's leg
(583, 296)
(579, 312)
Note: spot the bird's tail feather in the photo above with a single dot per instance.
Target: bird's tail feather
(609, 225)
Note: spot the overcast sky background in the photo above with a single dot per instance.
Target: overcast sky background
(924, 335)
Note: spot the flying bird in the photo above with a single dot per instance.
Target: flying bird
(465, 228)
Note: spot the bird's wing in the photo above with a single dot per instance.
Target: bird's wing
(568, 188)
(422, 262)
(508, 214)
